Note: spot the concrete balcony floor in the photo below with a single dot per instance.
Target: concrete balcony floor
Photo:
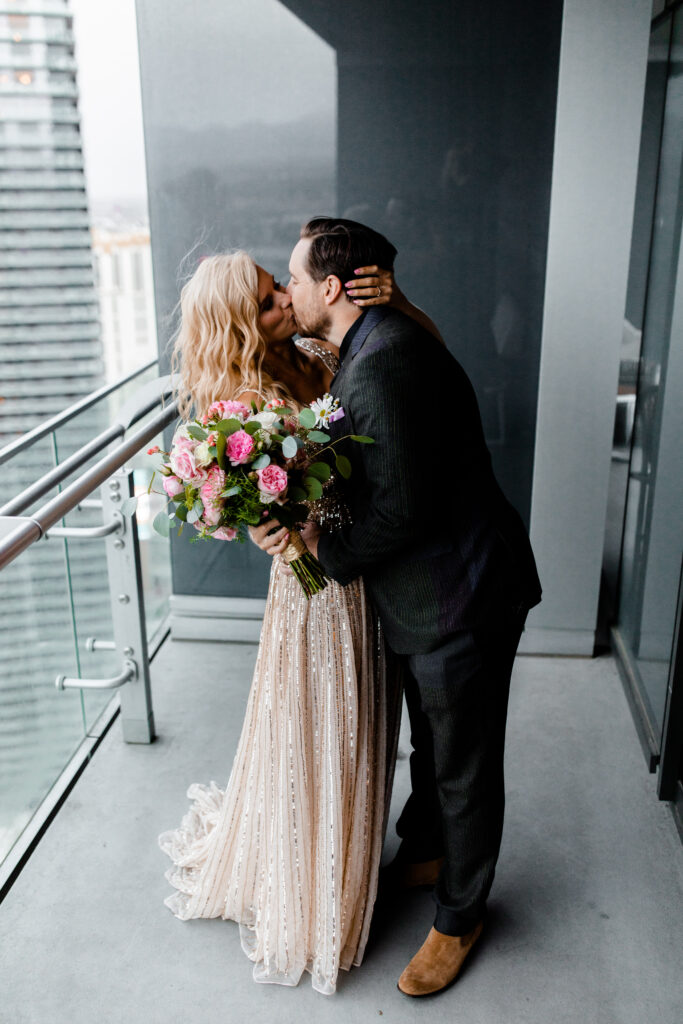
(586, 921)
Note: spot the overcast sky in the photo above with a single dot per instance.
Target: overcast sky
(277, 68)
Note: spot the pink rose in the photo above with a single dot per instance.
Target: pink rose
(184, 465)
(272, 480)
(184, 442)
(172, 485)
(211, 515)
(214, 484)
(210, 493)
(239, 447)
(224, 533)
(225, 411)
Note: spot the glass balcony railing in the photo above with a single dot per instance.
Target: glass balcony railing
(59, 617)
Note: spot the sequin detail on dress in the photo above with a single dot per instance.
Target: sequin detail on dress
(329, 360)
(291, 848)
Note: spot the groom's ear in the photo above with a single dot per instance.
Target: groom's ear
(333, 289)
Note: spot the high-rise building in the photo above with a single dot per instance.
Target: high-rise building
(50, 356)
(123, 262)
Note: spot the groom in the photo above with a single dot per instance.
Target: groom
(447, 562)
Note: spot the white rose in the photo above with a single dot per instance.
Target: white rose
(201, 454)
(266, 419)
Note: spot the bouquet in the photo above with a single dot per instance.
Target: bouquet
(237, 466)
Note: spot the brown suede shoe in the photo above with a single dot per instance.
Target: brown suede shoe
(437, 963)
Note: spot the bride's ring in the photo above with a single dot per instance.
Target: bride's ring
(379, 291)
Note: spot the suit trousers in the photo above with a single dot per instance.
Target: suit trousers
(457, 697)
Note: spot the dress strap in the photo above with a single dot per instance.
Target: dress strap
(314, 348)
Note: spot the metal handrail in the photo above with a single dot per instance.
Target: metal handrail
(128, 671)
(29, 529)
(127, 417)
(115, 525)
(47, 426)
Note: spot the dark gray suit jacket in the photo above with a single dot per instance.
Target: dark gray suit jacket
(438, 545)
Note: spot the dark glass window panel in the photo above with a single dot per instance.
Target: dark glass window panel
(432, 123)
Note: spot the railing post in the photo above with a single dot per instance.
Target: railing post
(128, 610)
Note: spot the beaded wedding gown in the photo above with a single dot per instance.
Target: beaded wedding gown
(290, 849)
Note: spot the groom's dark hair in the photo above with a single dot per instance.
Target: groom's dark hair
(339, 246)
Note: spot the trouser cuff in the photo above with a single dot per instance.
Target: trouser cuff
(457, 922)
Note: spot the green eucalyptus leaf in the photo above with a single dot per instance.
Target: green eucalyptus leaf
(313, 487)
(198, 433)
(261, 462)
(289, 447)
(229, 426)
(343, 466)
(320, 470)
(296, 494)
(307, 418)
(220, 450)
(161, 523)
(231, 491)
(129, 506)
(318, 435)
(252, 427)
(193, 515)
(181, 512)
(362, 439)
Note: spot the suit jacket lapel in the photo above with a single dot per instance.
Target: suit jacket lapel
(374, 316)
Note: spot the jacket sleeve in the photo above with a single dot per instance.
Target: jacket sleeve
(385, 393)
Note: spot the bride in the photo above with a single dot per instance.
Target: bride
(290, 849)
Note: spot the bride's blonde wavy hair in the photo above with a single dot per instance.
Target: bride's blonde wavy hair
(219, 349)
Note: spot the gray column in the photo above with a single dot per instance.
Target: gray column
(603, 62)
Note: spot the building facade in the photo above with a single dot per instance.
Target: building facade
(125, 291)
(50, 356)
